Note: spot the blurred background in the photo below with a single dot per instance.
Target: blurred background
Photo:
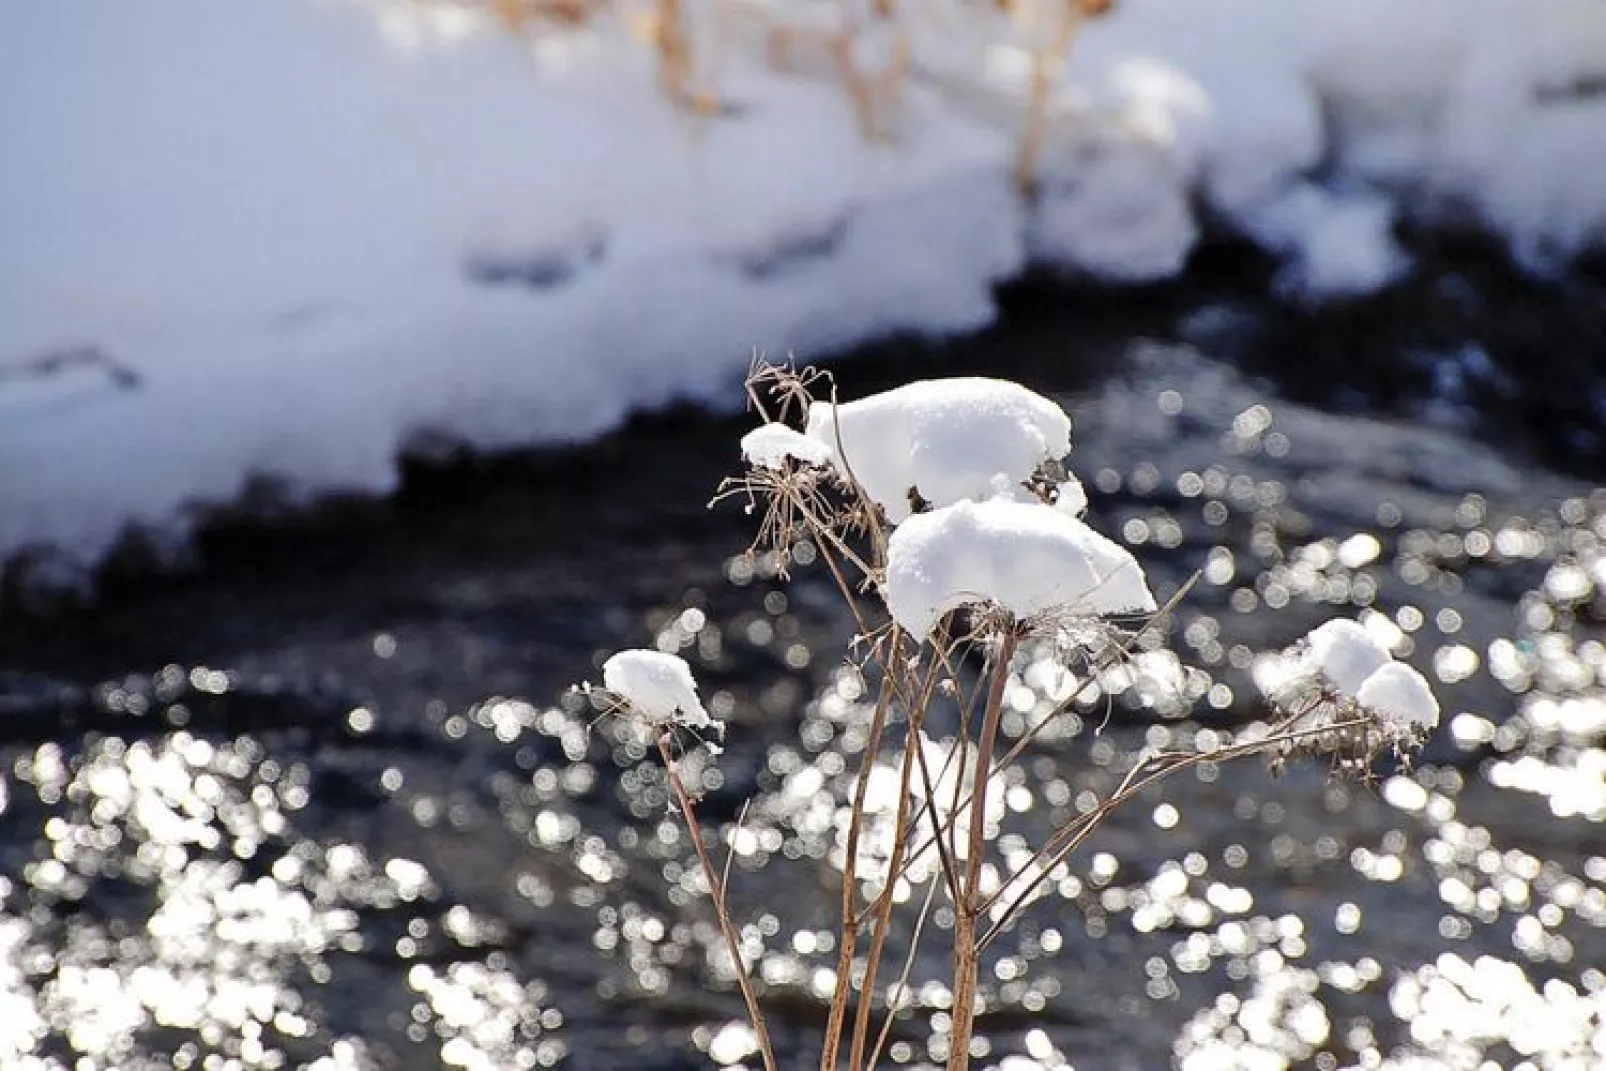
(366, 367)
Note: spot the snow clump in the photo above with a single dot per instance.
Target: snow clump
(658, 687)
(1025, 557)
(771, 446)
(1346, 653)
(943, 439)
(1401, 697)
(1344, 689)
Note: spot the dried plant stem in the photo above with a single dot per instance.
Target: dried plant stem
(1031, 734)
(716, 892)
(902, 985)
(883, 922)
(1069, 837)
(967, 908)
(900, 839)
(1046, 64)
(850, 917)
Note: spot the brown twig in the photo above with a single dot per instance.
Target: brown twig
(1071, 836)
(1046, 64)
(850, 920)
(716, 892)
(966, 952)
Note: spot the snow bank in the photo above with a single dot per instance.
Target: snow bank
(1025, 557)
(946, 439)
(659, 687)
(283, 237)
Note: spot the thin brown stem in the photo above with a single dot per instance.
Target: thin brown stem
(837, 1016)
(902, 985)
(966, 953)
(1046, 63)
(716, 892)
(918, 704)
(916, 707)
(945, 827)
(1069, 837)
(883, 922)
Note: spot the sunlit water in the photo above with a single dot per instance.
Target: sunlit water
(329, 856)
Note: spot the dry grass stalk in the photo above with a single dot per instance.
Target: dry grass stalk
(677, 70)
(865, 30)
(716, 892)
(876, 90)
(518, 15)
(1047, 62)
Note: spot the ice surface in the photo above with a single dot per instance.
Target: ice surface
(1025, 557)
(311, 230)
(947, 439)
(659, 687)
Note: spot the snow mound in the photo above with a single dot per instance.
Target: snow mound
(1401, 696)
(947, 439)
(297, 234)
(659, 687)
(1342, 660)
(772, 445)
(1346, 653)
(1025, 557)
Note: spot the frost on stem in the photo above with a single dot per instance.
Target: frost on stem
(658, 688)
(1027, 558)
(1345, 695)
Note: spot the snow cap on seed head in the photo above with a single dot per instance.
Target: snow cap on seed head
(1027, 558)
(1346, 695)
(659, 688)
(945, 439)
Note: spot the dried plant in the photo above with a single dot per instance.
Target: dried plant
(804, 485)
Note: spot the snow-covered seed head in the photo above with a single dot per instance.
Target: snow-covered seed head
(774, 445)
(1028, 559)
(1343, 694)
(939, 441)
(657, 688)
(1346, 653)
(1401, 698)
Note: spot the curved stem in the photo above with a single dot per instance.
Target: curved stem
(716, 892)
(850, 917)
(966, 953)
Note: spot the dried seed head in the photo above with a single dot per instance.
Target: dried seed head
(1341, 694)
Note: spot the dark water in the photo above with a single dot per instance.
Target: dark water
(322, 799)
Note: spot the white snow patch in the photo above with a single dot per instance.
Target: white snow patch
(1025, 557)
(1346, 653)
(659, 687)
(1072, 497)
(1346, 657)
(1337, 245)
(1402, 696)
(772, 445)
(948, 439)
(312, 229)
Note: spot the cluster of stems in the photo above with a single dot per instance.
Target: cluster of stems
(939, 812)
